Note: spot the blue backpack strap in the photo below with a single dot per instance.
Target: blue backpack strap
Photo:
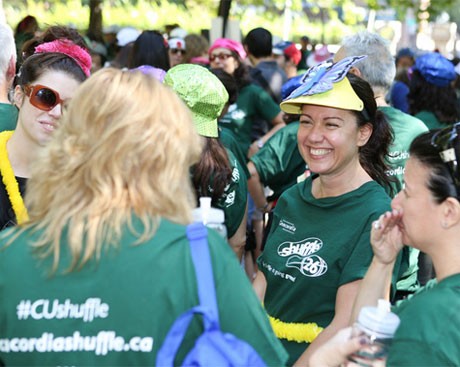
(197, 234)
(174, 338)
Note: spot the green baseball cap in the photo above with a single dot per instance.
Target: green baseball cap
(202, 92)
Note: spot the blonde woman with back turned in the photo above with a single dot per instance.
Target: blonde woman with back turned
(102, 268)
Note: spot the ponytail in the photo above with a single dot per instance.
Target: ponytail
(373, 156)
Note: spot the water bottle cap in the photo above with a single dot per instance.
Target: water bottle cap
(206, 214)
(379, 320)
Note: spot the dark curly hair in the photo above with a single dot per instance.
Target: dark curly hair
(424, 96)
(440, 182)
(212, 174)
(241, 73)
(53, 33)
(34, 65)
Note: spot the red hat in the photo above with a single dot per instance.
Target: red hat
(293, 53)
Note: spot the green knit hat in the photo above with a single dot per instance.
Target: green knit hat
(203, 93)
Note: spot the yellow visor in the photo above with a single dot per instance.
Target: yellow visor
(342, 95)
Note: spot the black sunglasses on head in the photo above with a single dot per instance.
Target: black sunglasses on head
(444, 141)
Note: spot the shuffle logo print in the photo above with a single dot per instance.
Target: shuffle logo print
(301, 255)
(235, 173)
(287, 226)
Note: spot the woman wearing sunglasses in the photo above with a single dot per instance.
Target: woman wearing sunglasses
(252, 103)
(46, 81)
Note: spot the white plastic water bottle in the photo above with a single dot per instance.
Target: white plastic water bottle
(211, 217)
(378, 325)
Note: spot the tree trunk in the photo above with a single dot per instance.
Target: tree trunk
(224, 11)
(2, 13)
(95, 20)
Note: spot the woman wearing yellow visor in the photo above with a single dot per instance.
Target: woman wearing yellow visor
(318, 250)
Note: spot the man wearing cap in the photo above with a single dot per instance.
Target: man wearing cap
(397, 96)
(8, 112)
(405, 58)
(176, 51)
(125, 41)
(287, 56)
(378, 69)
(109, 35)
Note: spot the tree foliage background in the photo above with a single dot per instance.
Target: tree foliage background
(327, 20)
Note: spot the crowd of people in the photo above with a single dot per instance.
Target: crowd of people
(337, 174)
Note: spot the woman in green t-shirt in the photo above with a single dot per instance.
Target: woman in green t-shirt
(426, 216)
(217, 174)
(253, 102)
(317, 250)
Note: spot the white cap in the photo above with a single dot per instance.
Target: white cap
(379, 320)
(178, 43)
(111, 29)
(127, 35)
(178, 33)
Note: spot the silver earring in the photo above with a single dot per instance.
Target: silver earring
(444, 225)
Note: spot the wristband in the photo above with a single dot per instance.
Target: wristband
(263, 208)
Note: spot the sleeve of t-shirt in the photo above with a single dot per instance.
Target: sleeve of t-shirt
(355, 267)
(358, 262)
(273, 159)
(360, 258)
(240, 311)
(408, 352)
(264, 105)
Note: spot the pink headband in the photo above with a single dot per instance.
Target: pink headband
(230, 45)
(67, 47)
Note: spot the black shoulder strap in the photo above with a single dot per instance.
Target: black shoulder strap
(257, 76)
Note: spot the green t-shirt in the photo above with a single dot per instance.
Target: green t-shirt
(8, 117)
(117, 311)
(430, 120)
(315, 246)
(229, 141)
(406, 128)
(252, 102)
(279, 162)
(235, 197)
(428, 334)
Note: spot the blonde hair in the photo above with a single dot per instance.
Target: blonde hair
(123, 148)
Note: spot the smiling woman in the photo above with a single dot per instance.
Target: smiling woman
(48, 78)
(343, 139)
